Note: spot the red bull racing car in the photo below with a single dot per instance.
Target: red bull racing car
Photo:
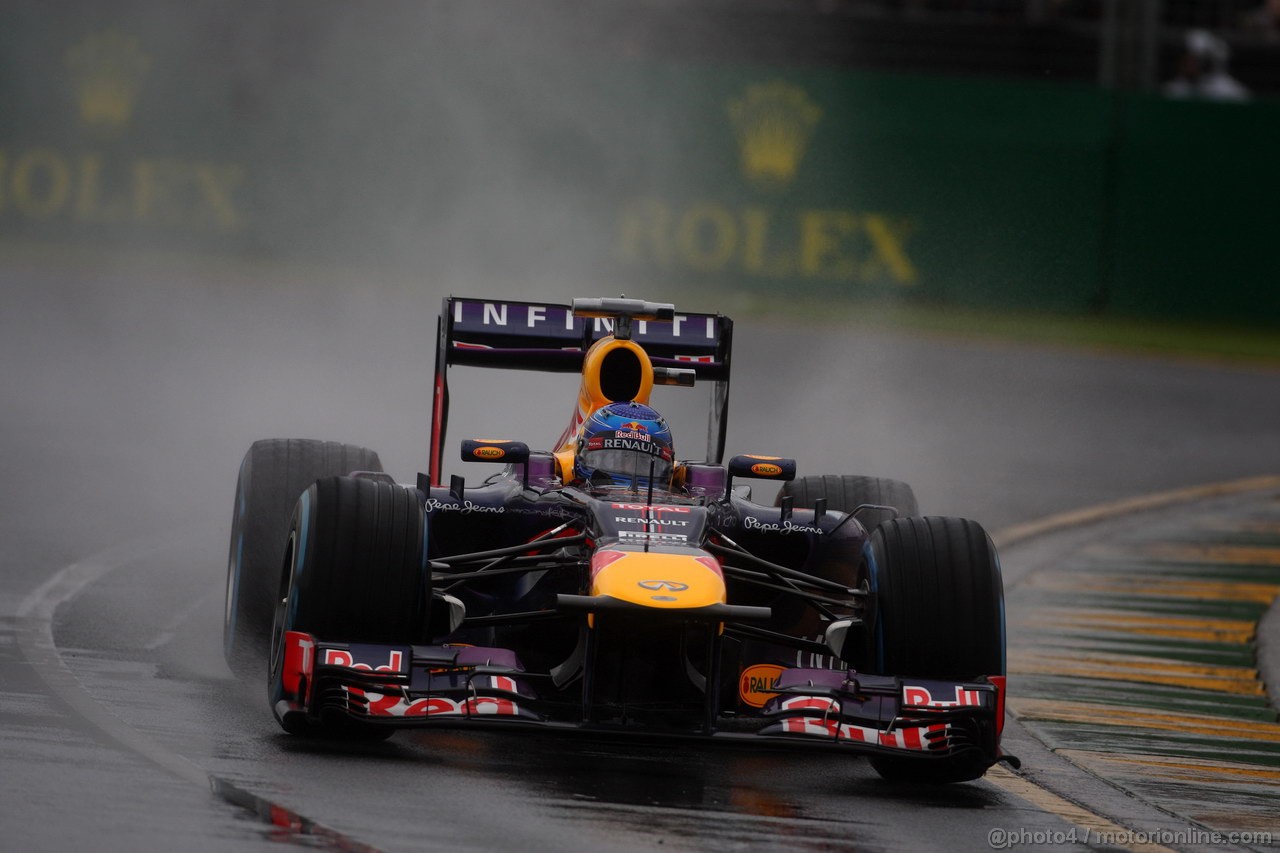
(602, 583)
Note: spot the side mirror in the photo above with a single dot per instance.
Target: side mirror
(505, 452)
(760, 468)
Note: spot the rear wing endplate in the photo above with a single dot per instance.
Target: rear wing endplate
(548, 337)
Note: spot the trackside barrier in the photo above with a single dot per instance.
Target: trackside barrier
(407, 141)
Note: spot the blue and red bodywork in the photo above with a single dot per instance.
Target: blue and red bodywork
(692, 612)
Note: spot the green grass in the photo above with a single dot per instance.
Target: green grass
(1236, 343)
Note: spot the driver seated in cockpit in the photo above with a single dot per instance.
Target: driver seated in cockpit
(625, 446)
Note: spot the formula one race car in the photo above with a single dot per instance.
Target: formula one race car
(603, 584)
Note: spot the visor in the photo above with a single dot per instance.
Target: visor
(625, 465)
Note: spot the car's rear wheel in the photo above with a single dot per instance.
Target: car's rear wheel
(939, 615)
(272, 475)
(845, 493)
(353, 572)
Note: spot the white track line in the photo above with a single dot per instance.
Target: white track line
(34, 629)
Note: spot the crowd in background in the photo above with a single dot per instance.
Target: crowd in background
(1236, 17)
(1226, 50)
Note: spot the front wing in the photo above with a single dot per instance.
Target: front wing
(459, 685)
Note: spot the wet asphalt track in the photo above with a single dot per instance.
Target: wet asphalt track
(128, 404)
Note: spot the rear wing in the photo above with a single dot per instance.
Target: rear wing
(550, 338)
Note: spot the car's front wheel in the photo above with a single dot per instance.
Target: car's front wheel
(939, 615)
(354, 572)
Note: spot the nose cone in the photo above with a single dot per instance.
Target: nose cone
(663, 579)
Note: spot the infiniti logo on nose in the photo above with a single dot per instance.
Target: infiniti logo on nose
(674, 586)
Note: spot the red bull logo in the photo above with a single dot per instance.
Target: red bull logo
(341, 657)
(920, 697)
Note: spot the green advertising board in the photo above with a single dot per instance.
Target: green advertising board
(400, 138)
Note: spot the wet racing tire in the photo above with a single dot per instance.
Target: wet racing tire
(353, 572)
(844, 493)
(939, 615)
(272, 475)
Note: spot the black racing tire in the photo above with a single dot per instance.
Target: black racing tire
(272, 475)
(353, 571)
(939, 615)
(845, 493)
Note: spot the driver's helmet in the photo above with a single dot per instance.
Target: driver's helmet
(625, 444)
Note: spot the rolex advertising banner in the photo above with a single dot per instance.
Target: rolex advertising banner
(415, 137)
